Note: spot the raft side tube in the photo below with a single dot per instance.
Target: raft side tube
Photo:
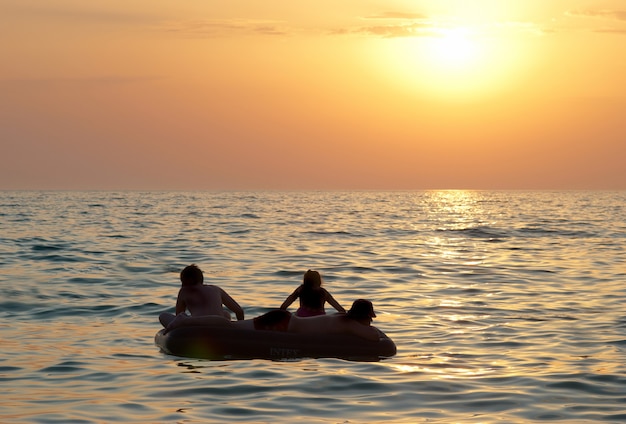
(219, 343)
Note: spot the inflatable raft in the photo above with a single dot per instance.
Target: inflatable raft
(222, 343)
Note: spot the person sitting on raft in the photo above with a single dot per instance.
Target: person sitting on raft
(357, 321)
(201, 299)
(312, 296)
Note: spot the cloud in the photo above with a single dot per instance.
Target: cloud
(392, 31)
(403, 24)
(617, 15)
(397, 15)
(611, 31)
(224, 27)
(398, 24)
(612, 19)
(393, 24)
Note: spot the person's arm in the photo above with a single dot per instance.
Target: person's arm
(231, 304)
(330, 299)
(365, 331)
(181, 305)
(291, 298)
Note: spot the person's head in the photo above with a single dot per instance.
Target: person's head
(191, 275)
(312, 279)
(361, 310)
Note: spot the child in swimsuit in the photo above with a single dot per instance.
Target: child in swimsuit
(312, 296)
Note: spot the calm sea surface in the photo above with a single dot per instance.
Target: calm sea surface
(506, 307)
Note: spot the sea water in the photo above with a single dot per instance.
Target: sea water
(505, 307)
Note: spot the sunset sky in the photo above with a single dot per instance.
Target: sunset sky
(312, 95)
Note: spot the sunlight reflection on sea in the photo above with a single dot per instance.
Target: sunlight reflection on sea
(505, 306)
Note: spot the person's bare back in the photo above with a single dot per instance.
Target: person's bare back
(201, 299)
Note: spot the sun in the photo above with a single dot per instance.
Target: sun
(453, 62)
(457, 63)
(452, 49)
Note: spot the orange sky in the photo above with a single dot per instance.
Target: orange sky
(251, 95)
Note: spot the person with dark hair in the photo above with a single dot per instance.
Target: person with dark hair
(201, 299)
(357, 321)
(312, 296)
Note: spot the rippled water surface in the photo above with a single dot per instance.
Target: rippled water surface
(504, 306)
